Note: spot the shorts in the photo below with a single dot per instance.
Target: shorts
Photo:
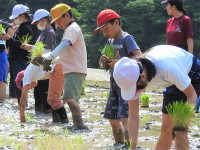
(172, 93)
(73, 85)
(116, 107)
(3, 66)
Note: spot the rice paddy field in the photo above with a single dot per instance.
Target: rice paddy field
(39, 133)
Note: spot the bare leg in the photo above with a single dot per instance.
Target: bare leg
(76, 114)
(2, 90)
(165, 140)
(181, 141)
(125, 127)
(117, 130)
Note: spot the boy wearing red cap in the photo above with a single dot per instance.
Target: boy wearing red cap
(108, 21)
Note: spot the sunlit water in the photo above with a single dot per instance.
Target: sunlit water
(40, 133)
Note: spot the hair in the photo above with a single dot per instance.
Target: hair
(26, 16)
(113, 20)
(70, 13)
(48, 18)
(148, 66)
(179, 6)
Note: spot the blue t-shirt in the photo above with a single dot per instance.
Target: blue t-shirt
(124, 45)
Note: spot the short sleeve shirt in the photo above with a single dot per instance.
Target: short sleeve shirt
(48, 37)
(178, 30)
(124, 45)
(74, 59)
(172, 66)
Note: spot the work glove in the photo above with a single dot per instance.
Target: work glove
(37, 61)
(46, 65)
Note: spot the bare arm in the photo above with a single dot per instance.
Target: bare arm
(191, 94)
(133, 122)
(10, 32)
(23, 101)
(135, 53)
(190, 45)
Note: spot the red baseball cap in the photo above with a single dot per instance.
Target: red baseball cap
(19, 78)
(104, 17)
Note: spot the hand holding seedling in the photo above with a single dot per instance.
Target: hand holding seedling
(112, 63)
(37, 61)
(104, 58)
(46, 65)
(27, 47)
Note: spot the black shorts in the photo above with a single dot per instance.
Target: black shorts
(172, 93)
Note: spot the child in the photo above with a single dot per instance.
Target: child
(56, 79)
(108, 21)
(29, 78)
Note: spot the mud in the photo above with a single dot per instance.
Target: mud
(40, 133)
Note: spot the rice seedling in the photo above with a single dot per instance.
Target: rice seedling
(38, 50)
(18, 146)
(29, 118)
(107, 94)
(25, 39)
(83, 90)
(180, 114)
(144, 100)
(109, 52)
(7, 141)
(3, 29)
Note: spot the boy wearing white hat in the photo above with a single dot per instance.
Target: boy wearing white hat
(165, 66)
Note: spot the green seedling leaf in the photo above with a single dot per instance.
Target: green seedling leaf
(180, 113)
(38, 50)
(25, 39)
(3, 29)
(108, 51)
(144, 100)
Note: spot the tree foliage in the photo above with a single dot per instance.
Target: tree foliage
(144, 19)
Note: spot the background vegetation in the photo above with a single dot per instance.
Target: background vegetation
(144, 19)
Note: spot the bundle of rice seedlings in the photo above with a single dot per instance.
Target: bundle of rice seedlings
(25, 39)
(38, 51)
(83, 90)
(109, 52)
(3, 29)
(180, 114)
(144, 100)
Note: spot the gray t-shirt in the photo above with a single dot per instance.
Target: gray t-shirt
(48, 37)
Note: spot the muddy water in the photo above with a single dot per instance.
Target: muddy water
(40, 133)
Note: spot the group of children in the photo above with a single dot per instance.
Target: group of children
(65, 66)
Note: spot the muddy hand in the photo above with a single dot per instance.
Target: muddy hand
(37, 61)
(46, 64)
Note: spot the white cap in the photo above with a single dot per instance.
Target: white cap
(126, 74)
(18, 10)
(39, 14)
(27, 9)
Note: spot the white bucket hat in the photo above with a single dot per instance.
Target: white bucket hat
(39, 14)
(126, 74)
(18, 10)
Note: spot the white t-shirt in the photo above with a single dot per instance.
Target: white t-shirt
(172, 66)
(74, 59)
(34, 73)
